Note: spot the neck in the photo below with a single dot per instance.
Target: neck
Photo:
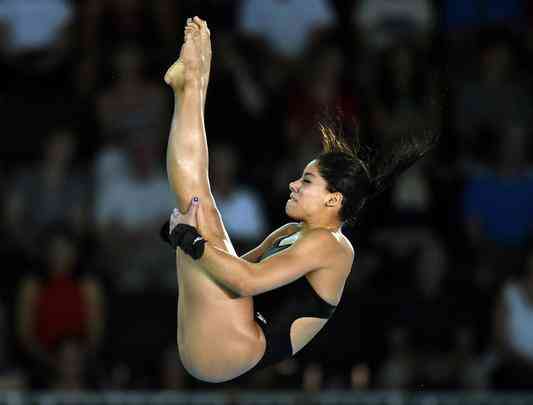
(330, 226)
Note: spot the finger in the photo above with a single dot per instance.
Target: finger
(194, 205)
(194, 212)
(174, 219)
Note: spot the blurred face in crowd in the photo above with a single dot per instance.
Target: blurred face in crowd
(309, 195)
(128, 62)
(401, 63)
(61, 254)
(513, 148)
(430, 268)
(495, 62)
(60, 148)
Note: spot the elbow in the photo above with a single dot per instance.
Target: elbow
(243, 290)
(245, 286)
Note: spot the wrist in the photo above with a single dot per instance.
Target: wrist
(188, 239)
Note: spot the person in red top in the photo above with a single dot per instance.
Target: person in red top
(58, 305)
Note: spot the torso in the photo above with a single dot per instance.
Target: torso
(327, 283)
(327, 287)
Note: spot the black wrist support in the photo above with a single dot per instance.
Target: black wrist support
(185, 237)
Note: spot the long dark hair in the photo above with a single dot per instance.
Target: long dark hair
(361, 169)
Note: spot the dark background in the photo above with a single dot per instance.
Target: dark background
(441, 293)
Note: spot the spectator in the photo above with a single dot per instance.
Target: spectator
(495, 97)
(128, 21)
(58, 304)
(133, 107)
(11, 378)
(471, 368)
(513, 329)
(465, 16)
(319, 90)
(56, 190)
(398, 370)
(384, 23)
(498, 207)
(359, 377)
(404, 96)
(431, 330)
(312, 378)
(15, 247)
(35, 25)
(239, 205)
(412, 196)
(269, 19)
(71, 373)
(129, 210)
(172, 374)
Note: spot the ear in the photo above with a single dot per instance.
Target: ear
(334, 199)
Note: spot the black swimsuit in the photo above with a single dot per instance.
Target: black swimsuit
(276, 310)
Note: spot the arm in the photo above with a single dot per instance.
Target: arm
(498, 326)
(500, 336)
(95, 311)
(311, 252)
(254, 254)
(25, 321)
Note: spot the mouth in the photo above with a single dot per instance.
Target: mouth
(291, 198)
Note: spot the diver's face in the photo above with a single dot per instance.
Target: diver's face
(308, 194)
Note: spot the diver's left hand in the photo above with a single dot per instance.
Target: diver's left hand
(189, 218)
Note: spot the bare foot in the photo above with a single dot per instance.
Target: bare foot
(195, 57)
(175, 76)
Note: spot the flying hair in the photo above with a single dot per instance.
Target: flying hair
(362, 168)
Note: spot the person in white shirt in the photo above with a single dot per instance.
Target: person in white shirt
(514, 331)
(286, 25)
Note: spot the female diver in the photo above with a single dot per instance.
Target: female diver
(221, 334)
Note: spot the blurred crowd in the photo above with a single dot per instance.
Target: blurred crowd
(441, 292)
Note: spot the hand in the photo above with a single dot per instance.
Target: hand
(189, 218)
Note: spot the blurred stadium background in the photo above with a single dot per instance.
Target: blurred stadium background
(441, 295)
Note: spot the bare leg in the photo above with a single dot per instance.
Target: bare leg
(206, 311)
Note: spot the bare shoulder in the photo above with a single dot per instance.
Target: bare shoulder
(336, 255)
(333, 245)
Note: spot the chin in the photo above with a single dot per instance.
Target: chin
(290, 213)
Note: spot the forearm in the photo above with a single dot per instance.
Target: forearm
(231, 271)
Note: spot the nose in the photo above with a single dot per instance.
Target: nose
(293, 186)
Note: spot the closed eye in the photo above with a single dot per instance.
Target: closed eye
(306, 181)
